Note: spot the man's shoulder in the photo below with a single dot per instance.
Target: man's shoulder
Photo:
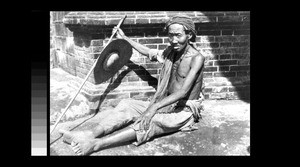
(195, 58)
(194, 54)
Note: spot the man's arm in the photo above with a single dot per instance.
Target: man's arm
(139, 47)
(196, 64)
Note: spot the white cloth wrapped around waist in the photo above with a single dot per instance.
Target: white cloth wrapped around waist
(195, 106)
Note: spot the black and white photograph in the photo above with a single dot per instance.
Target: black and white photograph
(149, 83)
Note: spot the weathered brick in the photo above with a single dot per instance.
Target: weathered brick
(142, 21)
(119, 16)
(231, 25)
(242, 73)
(86, 60)
(231, 13)
(149, 93)
(218, 96)
(83, 65)
(135, 94)
(204, 45)
(96, 13)
(239, 88)
(98, 42)
(166, 40)
(209, 63)
(215, 57)
(117, 96)
(225, 44)
(225, 56)
(206, 69)
(129, 21)
(241, 56)
(152, 71)
(224, 74)
(237, 81)
(212, 84)
(133, 83)
(242, 32)
(60, 29)
(207, 32)
(207, 90)
(92, 55)
(219, 89)
(224, 68)
(198, 39)
(203, 19)
(239, 68)
(162, 33)
(137, 59)
(112, 21)
(136, 34)
(226, 38)
(133, 78)
(131, 73)
(121, 79)
(243, 62)
(244, 12)
(162, 47)
(240, 44)
(92, 21)
(96, 49)
(214, 45)
(152, 46)
(210, 13)
(82, 70)
(207, 74)
(208, 80)
(225, 62)
(158, 20)
(150, 40)
(229, 19)
(227, 32)
(219, 51)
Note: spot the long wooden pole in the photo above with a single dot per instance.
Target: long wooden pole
(89, 73)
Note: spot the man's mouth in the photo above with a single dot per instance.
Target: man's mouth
(176, 47)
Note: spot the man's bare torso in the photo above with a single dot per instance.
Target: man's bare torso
(179, 72)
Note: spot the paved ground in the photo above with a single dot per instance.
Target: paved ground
(224, 129)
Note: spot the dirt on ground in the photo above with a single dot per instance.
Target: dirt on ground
(223, 130)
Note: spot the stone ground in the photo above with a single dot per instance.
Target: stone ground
(223, 130)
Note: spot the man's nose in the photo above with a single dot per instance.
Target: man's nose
(174, 40)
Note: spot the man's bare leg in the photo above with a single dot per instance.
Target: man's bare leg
(69, 136)
(86, 147)
(111, 122)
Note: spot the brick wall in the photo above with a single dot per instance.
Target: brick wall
(223, 38)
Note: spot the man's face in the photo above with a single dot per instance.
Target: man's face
(177, 37)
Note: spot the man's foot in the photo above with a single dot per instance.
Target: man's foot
(68, 136)
(83, 147)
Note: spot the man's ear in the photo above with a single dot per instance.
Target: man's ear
(190, 35)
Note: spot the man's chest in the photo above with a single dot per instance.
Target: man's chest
(181, 68)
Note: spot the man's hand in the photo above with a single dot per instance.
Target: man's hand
(146, 117)
(119, 32)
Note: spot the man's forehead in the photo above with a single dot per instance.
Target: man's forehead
(176, 28)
